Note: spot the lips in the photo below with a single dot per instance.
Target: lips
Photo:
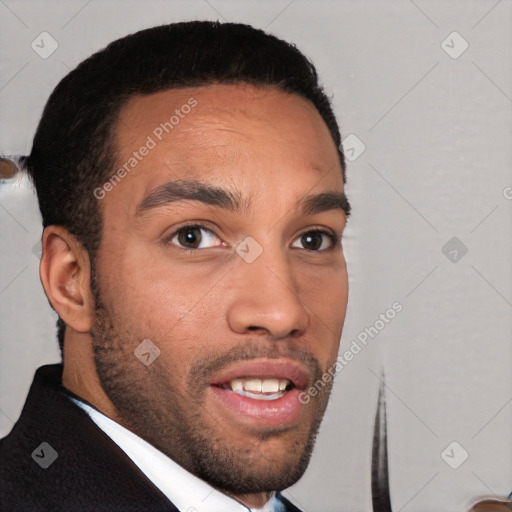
(263, 393)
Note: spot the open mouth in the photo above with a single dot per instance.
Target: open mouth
(260, 389)
(260, 392)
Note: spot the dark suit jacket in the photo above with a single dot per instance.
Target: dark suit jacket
(90, 473)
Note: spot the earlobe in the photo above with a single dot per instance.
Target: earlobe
(65, 273)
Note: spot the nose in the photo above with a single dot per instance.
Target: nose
(266, 297)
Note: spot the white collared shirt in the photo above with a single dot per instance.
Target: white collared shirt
(187, 492)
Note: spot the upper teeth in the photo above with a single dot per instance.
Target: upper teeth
(259, 385)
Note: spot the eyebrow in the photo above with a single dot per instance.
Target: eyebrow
(192, 190)
(325, 201)
(195, 190)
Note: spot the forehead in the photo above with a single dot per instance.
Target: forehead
(227, 100)
(236, 134)
(221, 116)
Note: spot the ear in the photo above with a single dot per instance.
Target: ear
(65, 272)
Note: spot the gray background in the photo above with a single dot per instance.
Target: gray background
(436, 165)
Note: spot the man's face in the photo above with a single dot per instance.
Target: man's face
(243, 325)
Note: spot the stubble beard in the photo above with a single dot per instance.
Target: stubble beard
(156, 410)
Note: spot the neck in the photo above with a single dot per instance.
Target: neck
(79, 374)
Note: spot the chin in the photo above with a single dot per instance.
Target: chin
(271, 466)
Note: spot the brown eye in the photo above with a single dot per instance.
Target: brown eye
(189, 237)
(314, 240)
(194, 237)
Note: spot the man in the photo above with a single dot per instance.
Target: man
(192, 196)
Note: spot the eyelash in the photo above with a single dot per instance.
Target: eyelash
(333, 238)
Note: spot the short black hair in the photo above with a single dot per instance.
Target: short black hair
(74, 149)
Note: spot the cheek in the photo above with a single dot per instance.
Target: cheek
(330, 305)
(180, 311)
(325, 292)
(157, 298)
(153, 290)
(337, 306)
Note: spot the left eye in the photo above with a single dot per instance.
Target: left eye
(314, 240)
(194, 237)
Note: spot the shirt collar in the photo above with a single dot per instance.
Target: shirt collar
(185, 491)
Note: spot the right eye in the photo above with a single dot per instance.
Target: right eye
(193, 237)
